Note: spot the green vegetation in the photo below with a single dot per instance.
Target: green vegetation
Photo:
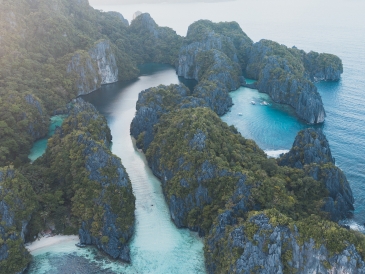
(66, 193)
(18, 203)
(38, 41)
(234, 41)
(286, 189)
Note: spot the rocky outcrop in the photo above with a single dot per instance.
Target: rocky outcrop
(119, 16)
(312, 153)
(212, 55)
(281, 74)
(113, 237)
(83, 114)
(37, 117)
(102, 53)
(323, 66)
(98, 197)
(163, 43)
(153, 103)
(219, 76)
(196, 183)
(205, 35)
(17, 203)
(260, 246)
(94, 68)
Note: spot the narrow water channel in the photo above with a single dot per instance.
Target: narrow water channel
(157, 246)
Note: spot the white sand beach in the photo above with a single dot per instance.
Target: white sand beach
(275, 153)
(49, 241)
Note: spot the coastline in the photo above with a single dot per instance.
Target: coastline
(49, 241)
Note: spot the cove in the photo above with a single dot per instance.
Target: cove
(157, 246)
(40, 146)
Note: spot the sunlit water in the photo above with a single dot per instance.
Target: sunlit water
(336, 27)
(39, 147)
(157, 246)
(333, 26)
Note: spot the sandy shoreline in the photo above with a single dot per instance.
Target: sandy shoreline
(48, 241)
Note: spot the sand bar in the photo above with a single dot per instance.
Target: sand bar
(50, 240)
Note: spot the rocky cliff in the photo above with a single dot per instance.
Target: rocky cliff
(17, 203)
(213, 55)
(153, 44)
(205, 35)
(89, 184)
(94, 68)
(153, 103)
(312, 153)
(323, 66)
(281, 73)
(270, 243)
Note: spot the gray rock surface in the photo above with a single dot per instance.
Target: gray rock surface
(311, 152)
(97, 159)
(281, 74)
(275, 249)
(152, 103)
(94, 68)
(37, 126)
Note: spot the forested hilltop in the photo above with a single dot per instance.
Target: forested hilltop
(215, 181)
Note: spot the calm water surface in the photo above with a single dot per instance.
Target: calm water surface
(157, 246)
(333, 26)
(336, 27)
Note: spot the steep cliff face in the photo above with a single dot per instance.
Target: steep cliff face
(196, 181)
(218, 75)
(264, 245)
(214, 55)
(94, 68)
(95, 193)
(102, 53)
(153, 103)
(312, 153)
(323, 66)
(119, 16)
(205, 35)
(37, 117)
(17, 203)
(281, 73)
(114, 233)
(152, 43)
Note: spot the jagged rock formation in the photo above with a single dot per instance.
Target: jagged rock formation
(113, 235)
(17, 203)
(95, 68)
(281, 74)
(153, 103)
(195, 182)
(119, 16)
(153, 44)
(323, 66)
(37, 117)
(203, 36)
(97, 193)
(312, 153)
(264, 245)
(212, 55)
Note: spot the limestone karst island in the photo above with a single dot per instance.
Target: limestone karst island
(82, 193)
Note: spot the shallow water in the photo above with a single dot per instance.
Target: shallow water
(157, 246)
(40, 146)
(332, 26)
(336, 27)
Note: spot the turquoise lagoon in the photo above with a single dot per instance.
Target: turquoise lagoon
(40, 146)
